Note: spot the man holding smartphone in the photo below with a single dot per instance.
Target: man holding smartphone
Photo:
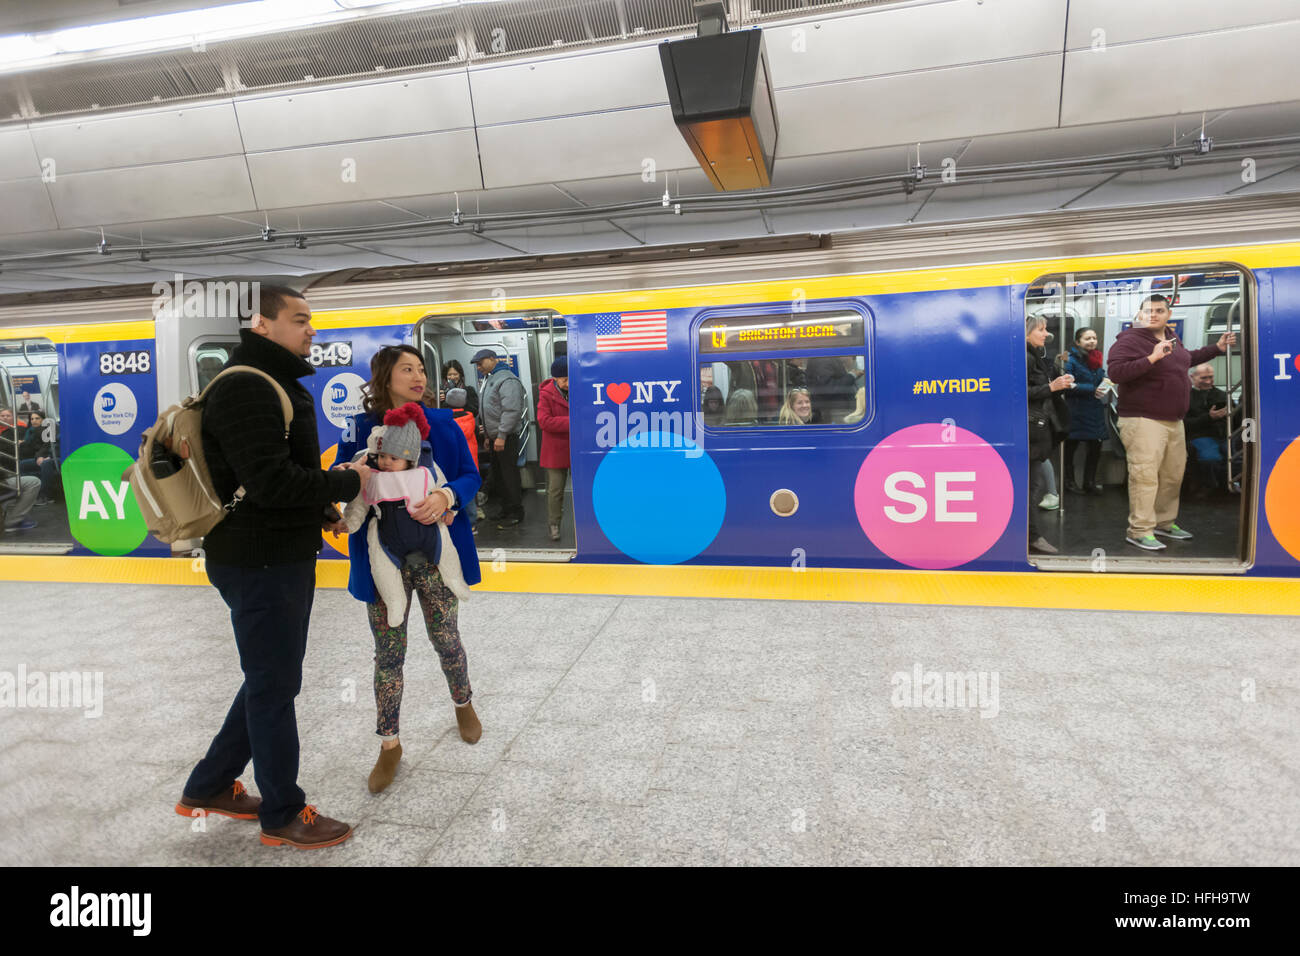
(1206, 426)
(1150, 365)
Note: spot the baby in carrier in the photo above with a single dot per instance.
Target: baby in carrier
(394, 538)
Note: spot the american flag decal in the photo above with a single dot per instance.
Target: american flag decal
(631, 331)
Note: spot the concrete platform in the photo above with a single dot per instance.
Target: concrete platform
(678, 731)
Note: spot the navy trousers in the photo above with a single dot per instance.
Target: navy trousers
(270, 609)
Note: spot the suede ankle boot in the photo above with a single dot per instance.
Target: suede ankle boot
(385, 769)
(467, 720)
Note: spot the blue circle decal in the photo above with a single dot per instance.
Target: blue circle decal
(659, 497)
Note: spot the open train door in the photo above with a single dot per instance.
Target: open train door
(529, 340)
(1214, 500)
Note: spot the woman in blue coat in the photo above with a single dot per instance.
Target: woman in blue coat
(1087, 411)
(397, 376)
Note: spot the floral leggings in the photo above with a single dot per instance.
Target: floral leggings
(439, 606)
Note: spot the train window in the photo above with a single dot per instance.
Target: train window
(783, 369)
(209, 357)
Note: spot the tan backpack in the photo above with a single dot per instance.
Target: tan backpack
(170, 478)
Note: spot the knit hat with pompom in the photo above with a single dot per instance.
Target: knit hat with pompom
(405, 428)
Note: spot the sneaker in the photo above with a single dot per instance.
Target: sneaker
(1042, 546)
(1149, 543)
(1175, 532)
(236, 803)
(27, 524)
(505, 523)
(308, 831)
(1050, 503)
(555, 532)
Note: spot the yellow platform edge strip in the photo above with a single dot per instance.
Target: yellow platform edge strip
(1106, 592)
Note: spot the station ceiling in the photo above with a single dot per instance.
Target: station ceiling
(1015, 106)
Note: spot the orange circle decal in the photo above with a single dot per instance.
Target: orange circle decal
(1282, 499)
(339, 542)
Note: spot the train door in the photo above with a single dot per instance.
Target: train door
(530, 341)
(1091, 523)
(31, 490)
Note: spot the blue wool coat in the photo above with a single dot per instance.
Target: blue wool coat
(447, 443)
(1087, 412)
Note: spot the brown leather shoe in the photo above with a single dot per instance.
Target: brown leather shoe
(470, 729)
(236, 803)
(308, 831)
(385, 769)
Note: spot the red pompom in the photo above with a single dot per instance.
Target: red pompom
(410, 412)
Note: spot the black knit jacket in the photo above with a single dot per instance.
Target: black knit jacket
(287, 492)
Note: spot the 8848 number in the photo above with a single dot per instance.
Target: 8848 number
(124, 363)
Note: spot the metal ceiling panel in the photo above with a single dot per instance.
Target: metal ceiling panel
(364, 111)
(26, 205)
(568, 237)
(991, 200)
(1094, 140)
(373, 169)
(139, 139)
(338, 215)
(1288, 179)
(1124, 21)
(18, 158)
(663, 229)
(238, 226)
(1164, 185)
(861, 163)
(607, 144)
(632, 188)
(909, 39)
(859, 214)
(449, 247)
(59, 240)
(324, 258)
(1255, 122)
(489, 202)
(196, 188)
(565, 86)
(977, 100)
(1182, 75)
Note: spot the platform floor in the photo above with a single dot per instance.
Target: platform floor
(678, 731)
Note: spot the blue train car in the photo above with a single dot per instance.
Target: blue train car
(796, 411)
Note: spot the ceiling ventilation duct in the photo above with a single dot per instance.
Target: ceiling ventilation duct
(720, 90)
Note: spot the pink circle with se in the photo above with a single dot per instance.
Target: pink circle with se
(933, 496)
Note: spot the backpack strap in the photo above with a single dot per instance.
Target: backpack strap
(286, 409)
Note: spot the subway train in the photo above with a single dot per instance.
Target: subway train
(905, 465)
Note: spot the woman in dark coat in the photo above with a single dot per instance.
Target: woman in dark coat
(1087, 410)
(453, 376)
(1042, 388)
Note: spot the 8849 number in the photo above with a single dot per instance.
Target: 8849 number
(331, 355)
(124, 363)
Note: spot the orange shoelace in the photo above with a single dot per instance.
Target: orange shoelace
(239, 789)
(309, 815)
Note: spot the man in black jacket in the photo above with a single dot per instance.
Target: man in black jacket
(1206, 429)
(262, 559)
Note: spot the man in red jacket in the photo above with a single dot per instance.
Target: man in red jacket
(553, 416)
(1150, 366)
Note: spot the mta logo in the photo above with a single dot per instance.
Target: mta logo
(109, 402)
(339, 392)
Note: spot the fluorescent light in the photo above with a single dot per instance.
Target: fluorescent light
(190, 28)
